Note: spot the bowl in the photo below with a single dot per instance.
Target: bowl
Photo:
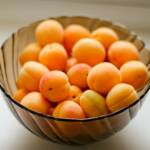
(72, 131)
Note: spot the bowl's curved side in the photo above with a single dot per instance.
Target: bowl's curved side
(62, 130)
(76, 133)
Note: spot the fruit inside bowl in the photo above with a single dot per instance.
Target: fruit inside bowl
(72, 82)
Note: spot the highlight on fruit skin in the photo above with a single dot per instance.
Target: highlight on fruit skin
(30, 53)
(134, 73)
(55, 86)
(72, 34)
(121, 52)
(36, 102)
(19, 94)
(106, 36)
(78, 74)
(89, 51)
(121, 96)
(54, 56)
(103, 77)
(30, 75)
(49, 31)
(93, 104)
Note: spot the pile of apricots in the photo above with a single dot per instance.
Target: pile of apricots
(74, 73)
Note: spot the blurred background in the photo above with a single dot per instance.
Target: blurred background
(135, 14)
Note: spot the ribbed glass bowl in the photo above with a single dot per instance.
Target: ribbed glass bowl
(75, 131)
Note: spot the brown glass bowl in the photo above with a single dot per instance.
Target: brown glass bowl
(72, 131)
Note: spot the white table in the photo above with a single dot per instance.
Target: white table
(13, 136)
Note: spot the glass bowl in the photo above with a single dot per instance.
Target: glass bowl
(72, 131)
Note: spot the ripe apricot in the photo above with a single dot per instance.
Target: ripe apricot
(78, 74)
(106, 36)
(89, 51)
(134, 73)
(70, 110)
(72, 34)
(30, 75)
(36, 102)
(54, 56)
(71, 62)
(121, 96)
(50, 111)
(103, 77)
(93, 103)
(121, 52)
(55, 86)
(19, 94)
(49, 31)
(77, 98)
(30, 53)
(75, 92)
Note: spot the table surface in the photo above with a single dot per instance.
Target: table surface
(13, 136)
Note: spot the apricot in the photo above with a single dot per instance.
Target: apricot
(103, 77)
(93, 104)
(121, 52)
(30, 75)
(78, 75)
(106, 36)
(55, 86)
(72, 34)
(50, 111)
(70, 110)
(49, 31)
(30, 53)
(89, 51)
(77, 98)
(54, 56)
(71, 62)
(134, 73)
(75, 92)
(36, 102)
(121, 96)
(19, 94)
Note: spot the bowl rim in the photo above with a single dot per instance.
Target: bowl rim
(72, 119)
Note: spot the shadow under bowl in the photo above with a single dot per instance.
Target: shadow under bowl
(66, 131)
